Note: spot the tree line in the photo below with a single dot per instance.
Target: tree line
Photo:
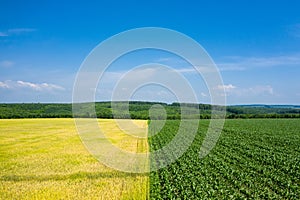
(140, 110)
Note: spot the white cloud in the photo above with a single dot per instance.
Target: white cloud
(166, 59)
(259, 90)
(170, 60)
(231, 67)
(8, 84)
(16, 31)
(186, 70)
(3, 85)
(199, 69)
(203, 94)
(226, 87)
(39, 87)
(238, 63)
(6, 63)
(21, 30)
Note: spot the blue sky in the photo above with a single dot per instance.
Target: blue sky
(255, 44)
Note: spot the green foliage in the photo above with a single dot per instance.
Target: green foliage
(140, 110)
(253, 159)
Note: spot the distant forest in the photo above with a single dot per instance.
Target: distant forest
(140, 110)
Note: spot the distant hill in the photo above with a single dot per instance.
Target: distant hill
(140, 110)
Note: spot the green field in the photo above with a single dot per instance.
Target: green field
(253, 159)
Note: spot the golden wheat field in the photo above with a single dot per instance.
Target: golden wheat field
(45, 159)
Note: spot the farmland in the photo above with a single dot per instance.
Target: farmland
(253, 159)
(45, 159)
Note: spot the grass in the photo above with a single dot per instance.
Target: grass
(45, 159)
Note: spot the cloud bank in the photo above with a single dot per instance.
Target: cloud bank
(8, 84)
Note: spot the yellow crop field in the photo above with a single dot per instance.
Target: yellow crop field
(45, 159)
(122, 138)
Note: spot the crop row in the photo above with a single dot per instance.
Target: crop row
(252, 159)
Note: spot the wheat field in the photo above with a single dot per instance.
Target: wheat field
(45, 159)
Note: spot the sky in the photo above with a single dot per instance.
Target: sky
(255, 45)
